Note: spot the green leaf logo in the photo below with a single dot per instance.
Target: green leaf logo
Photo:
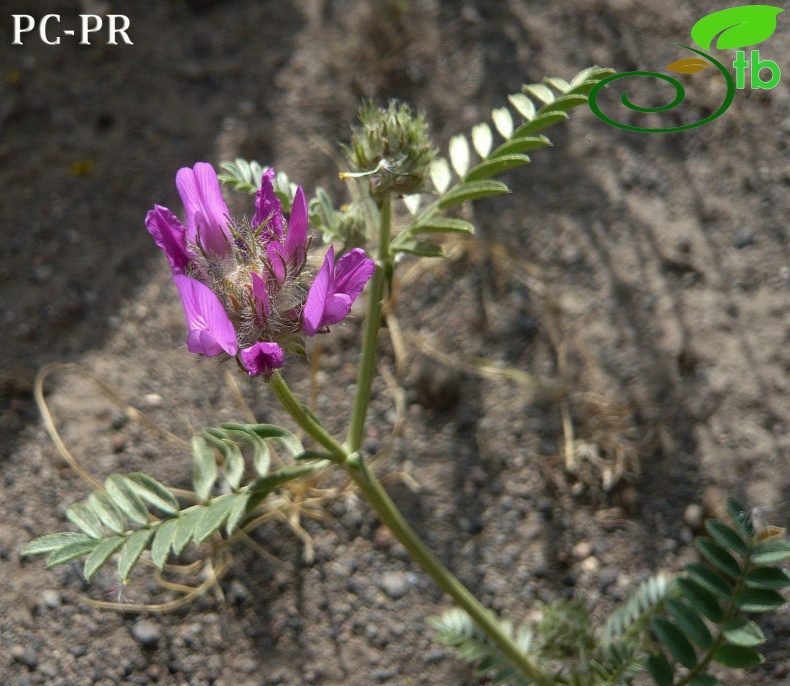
(739, 27)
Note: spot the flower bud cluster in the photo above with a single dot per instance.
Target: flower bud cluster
(393, 146)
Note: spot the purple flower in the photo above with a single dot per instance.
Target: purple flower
(243, 284)
(170, 235)
(207, 214)
(335, 289)
(292, 254)
(210, 330)
(268, 207)
(262, 358)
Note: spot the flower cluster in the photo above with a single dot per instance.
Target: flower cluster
(243, 283)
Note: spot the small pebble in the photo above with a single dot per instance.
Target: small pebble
(51, 598)
(692, 515)
(237, 592)
(744, 238)
(582, 549)
(590, 564)
(152, 400)
(146, 633)
(394, 584)
(26, 655)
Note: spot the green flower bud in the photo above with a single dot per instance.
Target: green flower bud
(392, 147)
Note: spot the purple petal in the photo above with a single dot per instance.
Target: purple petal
(354, 270)
(260, 295)
(207, 214)
(210, 330)
(268, 207)
(318, 294)
(262, 358)
(275, 253)
(296, 240)
(337, 308)
(170, 235)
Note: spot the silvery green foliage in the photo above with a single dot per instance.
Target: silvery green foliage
(461, 178)
(135, 512)
(671, 629)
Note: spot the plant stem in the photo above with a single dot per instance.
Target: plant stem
(390, 515)
(370, 341)
(304, 418)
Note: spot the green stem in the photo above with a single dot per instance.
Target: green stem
(370, 341)
(304, 418)
(390, 515)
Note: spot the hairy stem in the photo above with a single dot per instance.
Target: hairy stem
(389, 514)
(370, 341)
(304, 418)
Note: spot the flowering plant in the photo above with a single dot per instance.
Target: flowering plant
(243, 283)
(249, 292)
